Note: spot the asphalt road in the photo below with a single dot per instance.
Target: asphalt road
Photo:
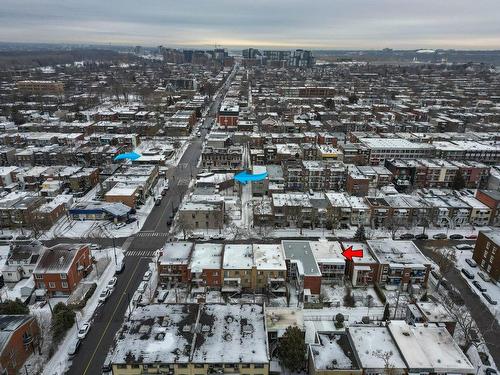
(486, 322)
(107, 320)
(109, 317)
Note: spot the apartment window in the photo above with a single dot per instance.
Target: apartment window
(52, 284)
(64, 284)
(121, 366)
(198, 365)
(63, 276)
(182, 365)
(258, 365)
(38, 276)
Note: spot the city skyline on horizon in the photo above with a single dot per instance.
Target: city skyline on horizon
(339, 24)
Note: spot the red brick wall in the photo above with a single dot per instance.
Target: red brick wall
(212, 278)
(313, 283)
(490, 202)
(73, 277)
(16, 346)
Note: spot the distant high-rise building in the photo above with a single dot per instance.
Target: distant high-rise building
(301, 58)
(251, 53)
(277, 55)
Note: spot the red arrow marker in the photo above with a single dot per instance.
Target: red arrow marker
(349, 253)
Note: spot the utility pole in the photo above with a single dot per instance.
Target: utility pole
(114, 251)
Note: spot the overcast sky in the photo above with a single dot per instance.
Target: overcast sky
(338, 24)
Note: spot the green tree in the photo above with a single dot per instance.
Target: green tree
(292, 349)
(13, 308)
(63, 319)
(458, 181)
(360, 234)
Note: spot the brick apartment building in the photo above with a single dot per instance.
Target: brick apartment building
(487, 254)
(61, 267)
(19, 336)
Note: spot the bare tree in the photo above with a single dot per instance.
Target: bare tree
(445, 260)
(185, 225)
(394, 224)
(389, 368)
(465, 323)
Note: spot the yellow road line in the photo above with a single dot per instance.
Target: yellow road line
(111, 318)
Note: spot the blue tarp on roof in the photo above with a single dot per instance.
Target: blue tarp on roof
(128, 155)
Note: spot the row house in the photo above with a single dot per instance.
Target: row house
(227, 159)
(401, 264)
(491, 198)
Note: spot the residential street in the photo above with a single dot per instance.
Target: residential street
(109, 317)
(486, 322)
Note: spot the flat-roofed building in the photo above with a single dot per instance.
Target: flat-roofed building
(401, 263)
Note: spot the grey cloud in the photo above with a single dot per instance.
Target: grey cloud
(312, 23)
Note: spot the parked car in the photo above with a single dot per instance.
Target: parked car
(73, 347)
(84, 329)
(456, 237)
(490, 371)
(464, 246)
(488, 298)
(131, 220)
(436, 274)
(217, 237)
(471, 262)
(479, 286)
(112, 283)
(484, 276)
(196, 236)
(137, 298)
(421, 236)
(147, 275)
(440, 236)
(162, 296)
(169, 222)
(104, 295)
(471, 237)
(198, 134)
(158, 200)
(467, 274)
(142, 286)
(95, 247)
(5, 239)
(407, 236)
(106, 367)
(119, 266)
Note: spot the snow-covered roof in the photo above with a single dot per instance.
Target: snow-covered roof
(373, 342)
(333, 352)
(327, 252)
(398, 253)
(366, 258)
(156, 333)
(231, 334)
(206, 256)
(269, 257)
(175, 253)
(429, 349)
(238, 257)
